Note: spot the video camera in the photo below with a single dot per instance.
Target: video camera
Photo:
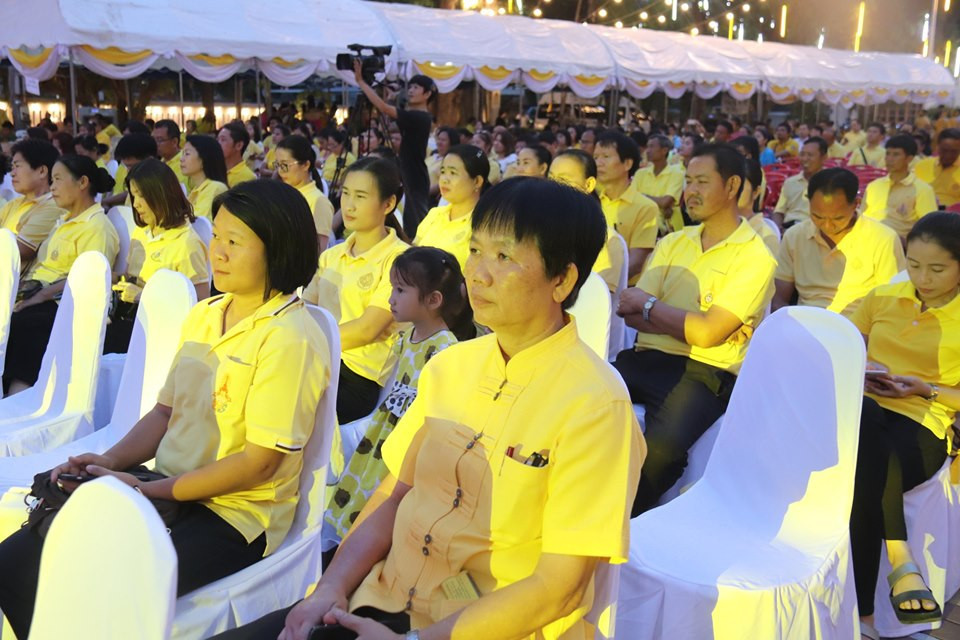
(370, 65)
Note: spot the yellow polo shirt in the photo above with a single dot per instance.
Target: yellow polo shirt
(179, 249)
(791, 146)
(258, 383)
(911, 341)
(769, 237)
(837, 279)
(320, 207)
(438, 230)
(475, 508)
(668, 183)
(120, 178)
(853, 140)
(31, 219)
(203, 195)
(899, 205)
(346, 284)
(254, 149)
(330, 166)
(89, 231)
(270, 160)
(174, 163)
(876, 157)
(239, 174)
(837, 150)
(945, 181)
(635, 217)
(736, 275)
(793, 203)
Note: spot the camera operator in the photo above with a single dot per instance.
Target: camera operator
(414, 123)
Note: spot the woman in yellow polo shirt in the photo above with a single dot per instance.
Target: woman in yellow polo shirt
(463, 177)
(277, 133)
(511, 475)
(201, 161)
(339, 158)
(912, 397)
(237, 409)
(296, 166)
(353, 283)
(164, 239)
(83, 227)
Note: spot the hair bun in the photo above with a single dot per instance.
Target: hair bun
(105, 181)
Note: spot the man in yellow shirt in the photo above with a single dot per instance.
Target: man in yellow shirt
(233, 139)
(632, 214)
(166, 134)
(793, 206)
(835, 258)
(783, 146)
(942, 172)
(898, 199)
(106, 132)
(855, 137)
(662, 182)
(132, 149)
(699, 299)
(871, 154)
(33, 215)
(835, 150)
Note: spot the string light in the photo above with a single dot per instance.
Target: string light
(821, 38)
(661, 19)
(856, 41)
(746, 8)
(783, 20)
(618, 24)
(602, 13)
(694, 31)
(946, 53)
(644, 15)
(926, 34)
(537, 12)
(956, 67)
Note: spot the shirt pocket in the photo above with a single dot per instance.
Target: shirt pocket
(231, 385)
(710, 285)
(518, 497)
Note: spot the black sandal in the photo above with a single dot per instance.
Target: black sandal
(912, 616)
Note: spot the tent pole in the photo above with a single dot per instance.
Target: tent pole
(666, 107)
(180, 74)
(256, 75)
(73, 94)
(520, 108)
(126, 88)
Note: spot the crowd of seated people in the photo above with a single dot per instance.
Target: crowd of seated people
(449, 258)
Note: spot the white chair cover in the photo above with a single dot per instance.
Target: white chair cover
(759, 547)
(108, 569)
(618, 326)
(933, 534)
(592, 311)
(6, 188)
(204, 229)
(112, 167)
(123, 233)
(287, 574)
(9, 282)
(59, 407)
(902, 276)
(164, 305)
(773, 227)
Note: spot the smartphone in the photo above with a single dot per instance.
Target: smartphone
(876, 373)
(69, 477)
(331, 632)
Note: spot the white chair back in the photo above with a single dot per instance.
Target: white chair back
(782, 460)
(112, 167)
(166, 300)
(316, 455)
(9, 282)
(773, 227)
(902, 276)
(204, 229)
(123, 233)
(67, 380)
(6, 188)
(618, 326)
(114, 538)
(592, 311)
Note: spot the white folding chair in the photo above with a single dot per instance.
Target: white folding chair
(108, 569)
(618, 326)
(284, 576)
(112, 167)
(59, 407)
(123, 233)
(592, 311)
(902, 276)
(6, 188)
(759, 547)
(773, 227)
(164, 305)
(9, 282)
(204, 229)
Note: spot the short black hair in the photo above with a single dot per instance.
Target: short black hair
(139, 146)
(238, 133)
(785, 125)
(567, 226)
(453, 134)
(726, 125)
(281, 218)
(135, 126)
(877, 125)
(640, 137)
(661, 140)
(158, 185)
(543, 154)
(941, 227)
(426, 83)
(951, 133)
(626, 148)
(820, 142)
(173, 129)
(37, 153)
(753, 173)
(38, 133)
(830, 181)
(728, 160)
(748, 144)
(905, 142)
(586, 161)
(474, 161)
(547, 137)
(696, 138)
(211, 157)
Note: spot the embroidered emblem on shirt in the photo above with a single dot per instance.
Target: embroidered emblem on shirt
(459, 236)
(54, 254)
(221, 397)
(365, 281)
(708, 298)
(156, 255)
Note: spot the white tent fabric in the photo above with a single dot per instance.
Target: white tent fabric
(120, 39)
(776, 502)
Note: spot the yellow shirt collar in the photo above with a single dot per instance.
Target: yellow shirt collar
(168, 234)
(521, 367)
(272, 307)
(907, 291)
(375, 252)
(83, 217)
(742, 234)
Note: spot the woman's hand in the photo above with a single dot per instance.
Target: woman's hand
(365, 628)
(129, 292)
(78, 465)
(898, 386)
(310, 612)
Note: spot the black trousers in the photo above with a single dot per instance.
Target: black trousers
(356, 396)
(208, 549)
(683, 398)
(895, 455)
(271, 625)
(29, 334)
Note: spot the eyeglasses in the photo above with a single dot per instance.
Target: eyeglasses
(286, 166)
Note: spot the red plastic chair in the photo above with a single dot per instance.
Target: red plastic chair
(954, 208)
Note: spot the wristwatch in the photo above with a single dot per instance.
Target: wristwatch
(413, 634)
(648, 307)
(934, 393)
